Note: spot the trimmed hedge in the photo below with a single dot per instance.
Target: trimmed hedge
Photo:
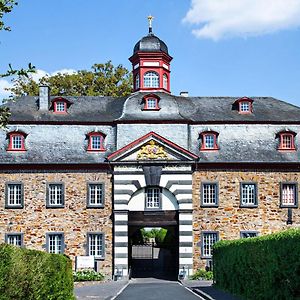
(34, 275)
(266, 267)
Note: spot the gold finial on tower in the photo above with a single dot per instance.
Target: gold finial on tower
(150, 19)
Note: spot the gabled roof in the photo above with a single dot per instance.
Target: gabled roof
(170, 150)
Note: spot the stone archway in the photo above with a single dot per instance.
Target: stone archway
(179, 184)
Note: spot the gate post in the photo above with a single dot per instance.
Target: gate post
(120, 244)
(185, 243)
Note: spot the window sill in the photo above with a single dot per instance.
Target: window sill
(286, 150)
(205, 257)
(96, 150)
(95, 206)
(14, 207)
(209, 150)
(209, 205)
(151, 109)
(15, 150)
(288, 206)
(248, 206)
(54, 206)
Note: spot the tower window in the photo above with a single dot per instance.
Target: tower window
(165, 81)
(209, 140)
(96, 141)
(137, 81)
(151, 80)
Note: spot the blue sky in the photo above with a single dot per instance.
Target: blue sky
(220, 48)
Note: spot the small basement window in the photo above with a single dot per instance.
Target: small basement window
(286, 141)
(16, 141)
(96, 141)
(209, 140)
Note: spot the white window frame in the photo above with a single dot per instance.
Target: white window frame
(151, 79)
(96, 244)
(209, 194)
(248, 196)
(95, 197)
(14, 195)
(55, 243)
(153, 195)
(288, 191)
(15, 239)
(17, 142)
(209, 141)
(208, 239)
(55, 194)
(165, 81)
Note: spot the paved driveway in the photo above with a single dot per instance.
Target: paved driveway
(148, 289)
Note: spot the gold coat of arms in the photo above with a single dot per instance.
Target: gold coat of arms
(152, 151)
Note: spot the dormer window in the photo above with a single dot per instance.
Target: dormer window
(151, 80)
(244, 105)
(60, 105)
(96, 141)
(287, 141)
(151, 102)
(16, 141)
(209, 140)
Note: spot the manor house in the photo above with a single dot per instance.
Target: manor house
(82, 175)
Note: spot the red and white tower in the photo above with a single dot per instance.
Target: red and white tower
(151, 64)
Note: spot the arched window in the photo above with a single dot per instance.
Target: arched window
(165, 81)
(151, 80)
(137, 81)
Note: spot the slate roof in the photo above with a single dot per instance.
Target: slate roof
(150, 43)
(87, 109)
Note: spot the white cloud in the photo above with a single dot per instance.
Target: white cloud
(6, 83)
(218, 19)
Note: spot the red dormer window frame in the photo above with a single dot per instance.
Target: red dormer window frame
(60, 100)
(147, 99)
(209, 141)
(16, 141)
(96, 142)
(286, 141)
(240, 103)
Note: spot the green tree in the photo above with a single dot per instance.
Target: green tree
(103, 79)
(6, 6)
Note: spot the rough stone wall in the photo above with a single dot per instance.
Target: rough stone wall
(229, 219)
(75, 219)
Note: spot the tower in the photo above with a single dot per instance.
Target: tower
(151, 63)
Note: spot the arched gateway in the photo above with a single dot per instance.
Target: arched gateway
(152, 180)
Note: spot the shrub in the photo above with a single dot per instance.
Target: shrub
(202, 274)
(34, 275)
(266, 267)
(87, 275)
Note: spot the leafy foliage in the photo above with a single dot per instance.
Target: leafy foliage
(103, 79)
(266, 267)
(87, 275)
(34, 275)
(202, 274)
(6, 7)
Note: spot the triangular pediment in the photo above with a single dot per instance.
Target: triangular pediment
(151, 148)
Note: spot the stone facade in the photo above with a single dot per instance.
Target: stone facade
(229, 219)
(75, 220)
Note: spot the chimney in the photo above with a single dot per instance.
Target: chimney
(44, 97)
(184, 94)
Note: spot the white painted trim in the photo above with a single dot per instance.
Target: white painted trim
(185, 260)
(185, 217)
(185, 238)
(121, 250)
(186, 228)
(121, 239)
(121, 217)
(121, 261)
(121, 228)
